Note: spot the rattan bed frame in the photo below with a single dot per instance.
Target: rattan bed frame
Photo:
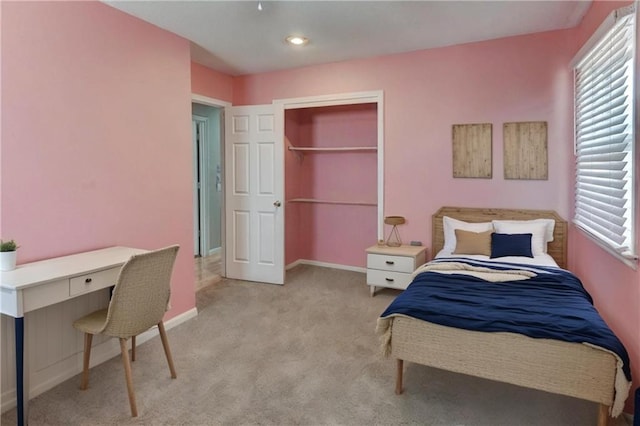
(564, 368)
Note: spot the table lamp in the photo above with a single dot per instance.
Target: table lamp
(394, 236)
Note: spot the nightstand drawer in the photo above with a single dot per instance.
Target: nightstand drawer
(389, 279)
(390, 263)
(94, 281)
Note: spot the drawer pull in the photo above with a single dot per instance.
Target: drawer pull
(87, 281)
(390, 280)
(390, 262)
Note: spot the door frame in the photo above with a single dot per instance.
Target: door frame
(200, 192)
(218, 103)
(374, 96)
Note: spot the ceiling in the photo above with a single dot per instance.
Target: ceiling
(236, 38)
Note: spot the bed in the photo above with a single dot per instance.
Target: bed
(579, 370)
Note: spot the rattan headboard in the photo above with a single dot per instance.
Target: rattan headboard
(556, 249)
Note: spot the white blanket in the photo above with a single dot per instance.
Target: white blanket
(481, 272)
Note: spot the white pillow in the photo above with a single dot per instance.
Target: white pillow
(538, 231)
(450, 225)
(550, 226)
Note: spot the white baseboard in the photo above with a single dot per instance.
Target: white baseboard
(326, 265)
(100, 353)
(293, 264)
(215, 251)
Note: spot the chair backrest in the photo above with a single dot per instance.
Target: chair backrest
(141, 294)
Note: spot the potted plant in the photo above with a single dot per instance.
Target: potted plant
(8, 255)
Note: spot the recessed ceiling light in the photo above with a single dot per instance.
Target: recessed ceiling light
(297, 40)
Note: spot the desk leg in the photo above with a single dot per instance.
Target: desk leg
(21, 399)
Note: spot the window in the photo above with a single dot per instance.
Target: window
(604, 135)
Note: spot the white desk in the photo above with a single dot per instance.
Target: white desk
(35, 285)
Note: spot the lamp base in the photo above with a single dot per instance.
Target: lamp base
(394, 238)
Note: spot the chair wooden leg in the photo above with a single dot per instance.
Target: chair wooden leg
(603, 415)
(133, 348)
(399, 368)
(127, 373)
(88, 338)
(167, 351)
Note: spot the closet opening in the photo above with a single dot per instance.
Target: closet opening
(333, 183)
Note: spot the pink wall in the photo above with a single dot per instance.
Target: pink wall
(614, 286)
(425, 92)
(96, 135)
(211, 83)
(336, 176)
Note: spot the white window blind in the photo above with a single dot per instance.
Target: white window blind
(604, 136)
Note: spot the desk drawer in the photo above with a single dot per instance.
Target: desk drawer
(391, 263)
(39, 296)
(93, 281)
(397, 280)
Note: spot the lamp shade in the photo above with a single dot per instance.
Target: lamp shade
(394, 220)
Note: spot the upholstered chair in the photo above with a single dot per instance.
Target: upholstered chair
(138, 302)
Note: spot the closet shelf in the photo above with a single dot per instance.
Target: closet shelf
(341, 148)
(317, 201)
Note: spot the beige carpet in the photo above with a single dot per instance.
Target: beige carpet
(300, 354)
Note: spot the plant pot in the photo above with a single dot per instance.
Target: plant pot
(8, 260)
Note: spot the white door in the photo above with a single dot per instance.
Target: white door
(254, 188)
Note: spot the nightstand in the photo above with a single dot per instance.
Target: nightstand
(391, 267)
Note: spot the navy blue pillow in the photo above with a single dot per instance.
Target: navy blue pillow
(510, 245)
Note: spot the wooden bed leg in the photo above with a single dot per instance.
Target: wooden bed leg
(603, 415)
(400, 366)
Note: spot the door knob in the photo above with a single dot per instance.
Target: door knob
(277, 203)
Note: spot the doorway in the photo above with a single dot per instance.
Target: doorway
(208, 189)
(207, 180)
(334, 178)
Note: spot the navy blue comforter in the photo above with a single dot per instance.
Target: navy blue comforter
(552, 305)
